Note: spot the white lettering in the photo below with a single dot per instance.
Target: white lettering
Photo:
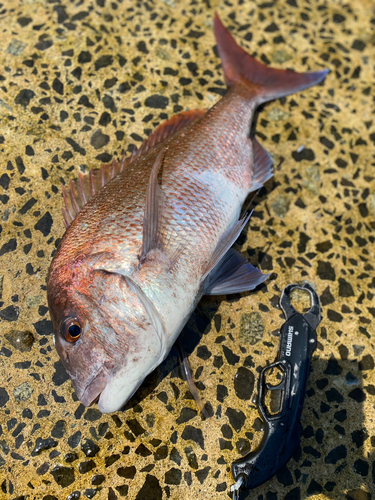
(289, 341)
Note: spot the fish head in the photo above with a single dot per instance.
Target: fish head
(107, 333)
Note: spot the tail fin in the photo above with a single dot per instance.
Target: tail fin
(268, 83)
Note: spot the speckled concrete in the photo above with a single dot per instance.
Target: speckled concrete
(81, 81)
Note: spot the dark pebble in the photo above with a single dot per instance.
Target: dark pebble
(9, 246)
(24, 21)
(43, 444)
(44, 224)
(157, 101)
(334, 316)
(42, 469)
(85, 467)
(327, 298)
(236, 418)
(89, 448)
(99, 140)
(74, 439)
(111, 460)
(359, 437)
(90, 492)
(191, 457)
(186, 415)
(341, 415)
(329, 486)
(203, 353)
(294, 494)
(194, 434)
(161, 453)
(173, 476)
(366, 363)
(325, 271)
(230, 356)
(127, 472)
(79, 411)
(44, 327)
(333, 395)
(74, 496)
(58, 86)
(226, 431)
(64, 476)
(225, 444)
(123, 490)
(358, 395)
(97, 480)
(71, 457)
(244, 383)
(361, 467)
(333, 367)
(135, 427)
(305, 154)
(202, 474)
(345, 288)
(151, 489)
(9, 313)
(4, 397)
(103, 61)
(336, 454)
(243, 446)
(92, 414)
(84, 57)
(24, 97)
(143, 451)
(175, 456)
(218, 361)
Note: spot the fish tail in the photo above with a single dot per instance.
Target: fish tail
(264, 82)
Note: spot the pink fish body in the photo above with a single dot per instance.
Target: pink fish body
(149, 236)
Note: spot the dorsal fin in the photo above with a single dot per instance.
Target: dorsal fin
(85, 187)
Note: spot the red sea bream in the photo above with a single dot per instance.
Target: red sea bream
(148, 236)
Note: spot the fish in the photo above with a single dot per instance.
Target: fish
(149, 235)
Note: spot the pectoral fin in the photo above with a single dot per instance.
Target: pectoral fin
(234, 274)
(154, 207)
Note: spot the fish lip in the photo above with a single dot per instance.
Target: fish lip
(94, 388)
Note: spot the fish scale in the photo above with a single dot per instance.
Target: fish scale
(147, 245)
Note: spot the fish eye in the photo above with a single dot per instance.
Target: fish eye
(71, 329)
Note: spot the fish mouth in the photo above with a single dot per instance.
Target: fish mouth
(94, 388)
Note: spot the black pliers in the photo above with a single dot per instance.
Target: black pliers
(281, 415)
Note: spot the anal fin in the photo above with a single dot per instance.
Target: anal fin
(224, 244)
(262, 165)
(234, 274)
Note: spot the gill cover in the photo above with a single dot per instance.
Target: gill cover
(149, 353)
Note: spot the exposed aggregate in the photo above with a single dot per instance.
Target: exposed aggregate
(82, 81)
